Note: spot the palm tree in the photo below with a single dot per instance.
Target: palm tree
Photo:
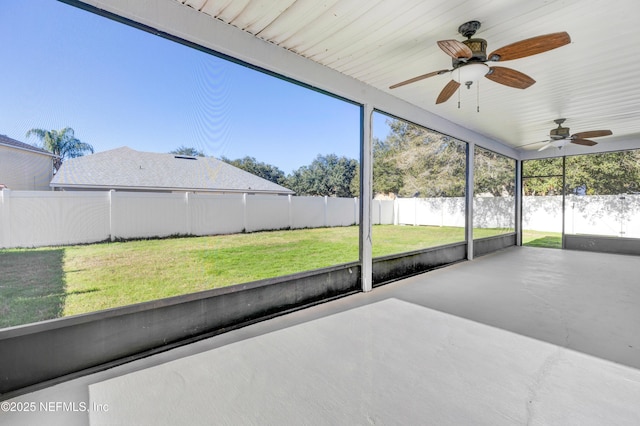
(62, 143)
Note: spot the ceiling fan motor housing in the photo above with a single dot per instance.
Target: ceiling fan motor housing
(478, 47)
(559, 133)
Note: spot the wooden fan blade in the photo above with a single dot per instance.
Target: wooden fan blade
(418, 78)
(592, 134)
(530, 46)
(455, 49)
(509, 77)
(448, 91)
(585, 142)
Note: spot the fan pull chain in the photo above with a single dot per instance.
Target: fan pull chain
(458, 89)
(478, 97)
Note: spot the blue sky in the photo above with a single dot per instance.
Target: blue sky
(116, 86)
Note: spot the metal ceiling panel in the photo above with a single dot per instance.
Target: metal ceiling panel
(593, 82)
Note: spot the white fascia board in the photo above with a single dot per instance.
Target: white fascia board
(176, 19)
(35, 150)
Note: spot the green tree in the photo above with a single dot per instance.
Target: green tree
(327, 175)
(62, 143)
(421, 161)
(387, 177)
(258, 168)
(589, 174)
(609, 173)
(188, 151)
(542, 177)
(493, 173)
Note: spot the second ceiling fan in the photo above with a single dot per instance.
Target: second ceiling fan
(560, 136)
(469, 60)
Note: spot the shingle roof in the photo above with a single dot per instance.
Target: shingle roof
(125, 168)
(7, 141)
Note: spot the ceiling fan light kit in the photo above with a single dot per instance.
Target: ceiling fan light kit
(470, 73)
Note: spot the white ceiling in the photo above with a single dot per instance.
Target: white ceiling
(593, 82)
(358, 48)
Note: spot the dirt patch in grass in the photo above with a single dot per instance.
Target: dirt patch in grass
(32, 286)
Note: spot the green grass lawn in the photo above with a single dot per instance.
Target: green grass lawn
(542, 239)
(45, 283)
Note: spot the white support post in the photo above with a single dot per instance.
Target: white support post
(366, 185)
(518, 202)
(469, 199)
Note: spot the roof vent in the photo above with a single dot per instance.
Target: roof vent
(185, 157)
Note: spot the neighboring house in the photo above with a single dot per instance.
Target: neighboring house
(24, 166)
(124, 169)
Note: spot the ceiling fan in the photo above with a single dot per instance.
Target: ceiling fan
(469, 60)
(560, 136)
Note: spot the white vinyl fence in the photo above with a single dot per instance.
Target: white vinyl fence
(45, 218)
(615, 215)
(612, 215)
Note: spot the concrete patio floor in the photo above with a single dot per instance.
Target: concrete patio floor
(522, 336)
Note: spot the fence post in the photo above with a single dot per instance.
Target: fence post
(290, 211)
(396, 211)
(355, 210)
(187, 210)
(622, 198)
(5, 241)
(111, 218)
(244, 212)
(325, 210)
(374, 207)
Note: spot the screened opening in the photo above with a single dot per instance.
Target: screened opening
(494, 194)
(542, 202)
(180, 171)
(418, 187)
(603, 194)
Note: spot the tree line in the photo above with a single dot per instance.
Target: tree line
(416, 162)
(608, 173)
(410, 162)
(329, 174)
